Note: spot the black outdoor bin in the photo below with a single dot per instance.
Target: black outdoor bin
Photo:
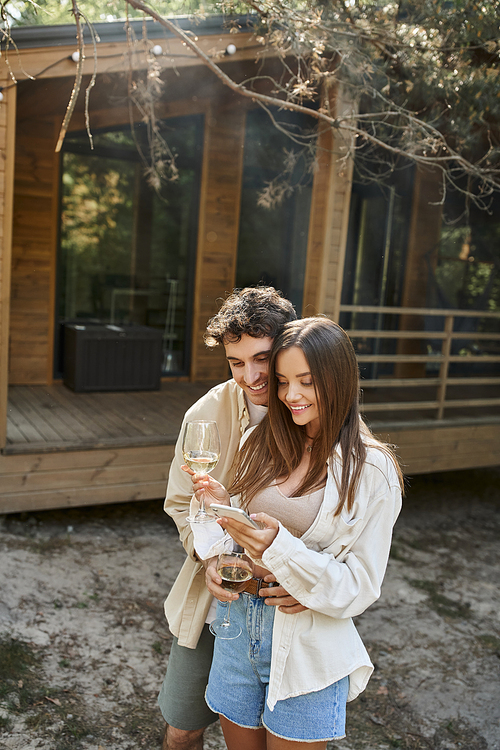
(112, 358)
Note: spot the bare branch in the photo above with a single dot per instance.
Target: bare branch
(78, 78)
(431, 149)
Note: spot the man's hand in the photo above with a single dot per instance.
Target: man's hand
(276, 596)
(213, 581)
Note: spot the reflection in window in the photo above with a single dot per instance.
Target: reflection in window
(127, 253)
(375, 260)
(464, 273)
(465, 268)
(272, 244)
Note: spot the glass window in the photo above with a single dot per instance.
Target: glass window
(464, 273)
(464, 268)
(127, 252)
(272, 244)
(375, 260)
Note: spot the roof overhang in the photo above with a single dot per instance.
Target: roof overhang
(115, 31)
(45, 51)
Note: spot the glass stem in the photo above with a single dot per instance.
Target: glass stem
(202, 504)
(226, 623)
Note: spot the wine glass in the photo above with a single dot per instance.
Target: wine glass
(201, 451)
(235, 569)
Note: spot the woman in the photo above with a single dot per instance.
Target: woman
(327, 494)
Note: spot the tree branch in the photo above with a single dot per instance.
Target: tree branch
(78, 78)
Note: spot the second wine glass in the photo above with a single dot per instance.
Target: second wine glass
(235, 569)
(201, 452)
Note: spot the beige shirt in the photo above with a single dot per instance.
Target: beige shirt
(189, 600)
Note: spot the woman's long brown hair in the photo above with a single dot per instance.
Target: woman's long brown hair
(276, 446)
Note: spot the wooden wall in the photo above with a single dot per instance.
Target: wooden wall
(34, 253)
(428, 448)
(67, 479)
(329, 216)
(7, 147)
(36, 219)
(217, 230)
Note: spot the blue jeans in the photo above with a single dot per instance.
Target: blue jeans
(239, 682)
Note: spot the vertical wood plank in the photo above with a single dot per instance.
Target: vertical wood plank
(56, 166)
(7, 148)
(218, 228)
(34, 252)
(443, 370)
(329, 214)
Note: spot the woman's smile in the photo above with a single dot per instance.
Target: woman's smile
(294, 408)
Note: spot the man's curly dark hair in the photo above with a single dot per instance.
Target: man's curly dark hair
(257, 311)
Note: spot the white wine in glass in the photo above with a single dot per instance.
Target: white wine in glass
(201, 451)
(235, 569)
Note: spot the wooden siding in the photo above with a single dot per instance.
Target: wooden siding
(448, 447)
(124, 451)
(34, 253)
(75, 478)
(7, 148)
(329, 217)
(67, 449)
(35, 226)
(217, 230)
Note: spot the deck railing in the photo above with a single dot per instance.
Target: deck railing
(442, 359)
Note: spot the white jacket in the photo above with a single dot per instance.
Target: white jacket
(336, 569)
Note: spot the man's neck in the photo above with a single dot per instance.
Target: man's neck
(256, 413)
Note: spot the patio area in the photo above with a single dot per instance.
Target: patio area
(54, 418)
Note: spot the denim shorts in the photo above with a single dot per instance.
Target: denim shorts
(239, 682)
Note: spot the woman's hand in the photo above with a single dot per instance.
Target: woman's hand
(255, 541)
(214, 491)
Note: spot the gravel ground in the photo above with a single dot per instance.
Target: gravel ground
(84, 644)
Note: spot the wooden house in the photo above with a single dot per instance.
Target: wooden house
(86, 243)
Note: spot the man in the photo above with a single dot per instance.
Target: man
(245, 325)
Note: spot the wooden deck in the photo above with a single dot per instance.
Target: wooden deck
(54, 418)
(73, 449)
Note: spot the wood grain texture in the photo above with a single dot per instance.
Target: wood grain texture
(217, 231)
(33, 255)
(67, 449)
(329, 216)
(7, 151)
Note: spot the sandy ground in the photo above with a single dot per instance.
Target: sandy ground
(84, 645)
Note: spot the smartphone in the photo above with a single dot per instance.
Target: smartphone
(236, 513)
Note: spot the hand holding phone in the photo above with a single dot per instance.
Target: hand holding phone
(237, 514)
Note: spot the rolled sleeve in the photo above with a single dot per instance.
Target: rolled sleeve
(341, 585)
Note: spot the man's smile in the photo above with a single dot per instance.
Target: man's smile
(258, 387)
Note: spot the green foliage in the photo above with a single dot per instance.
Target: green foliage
(425, 73)
(57, 12)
